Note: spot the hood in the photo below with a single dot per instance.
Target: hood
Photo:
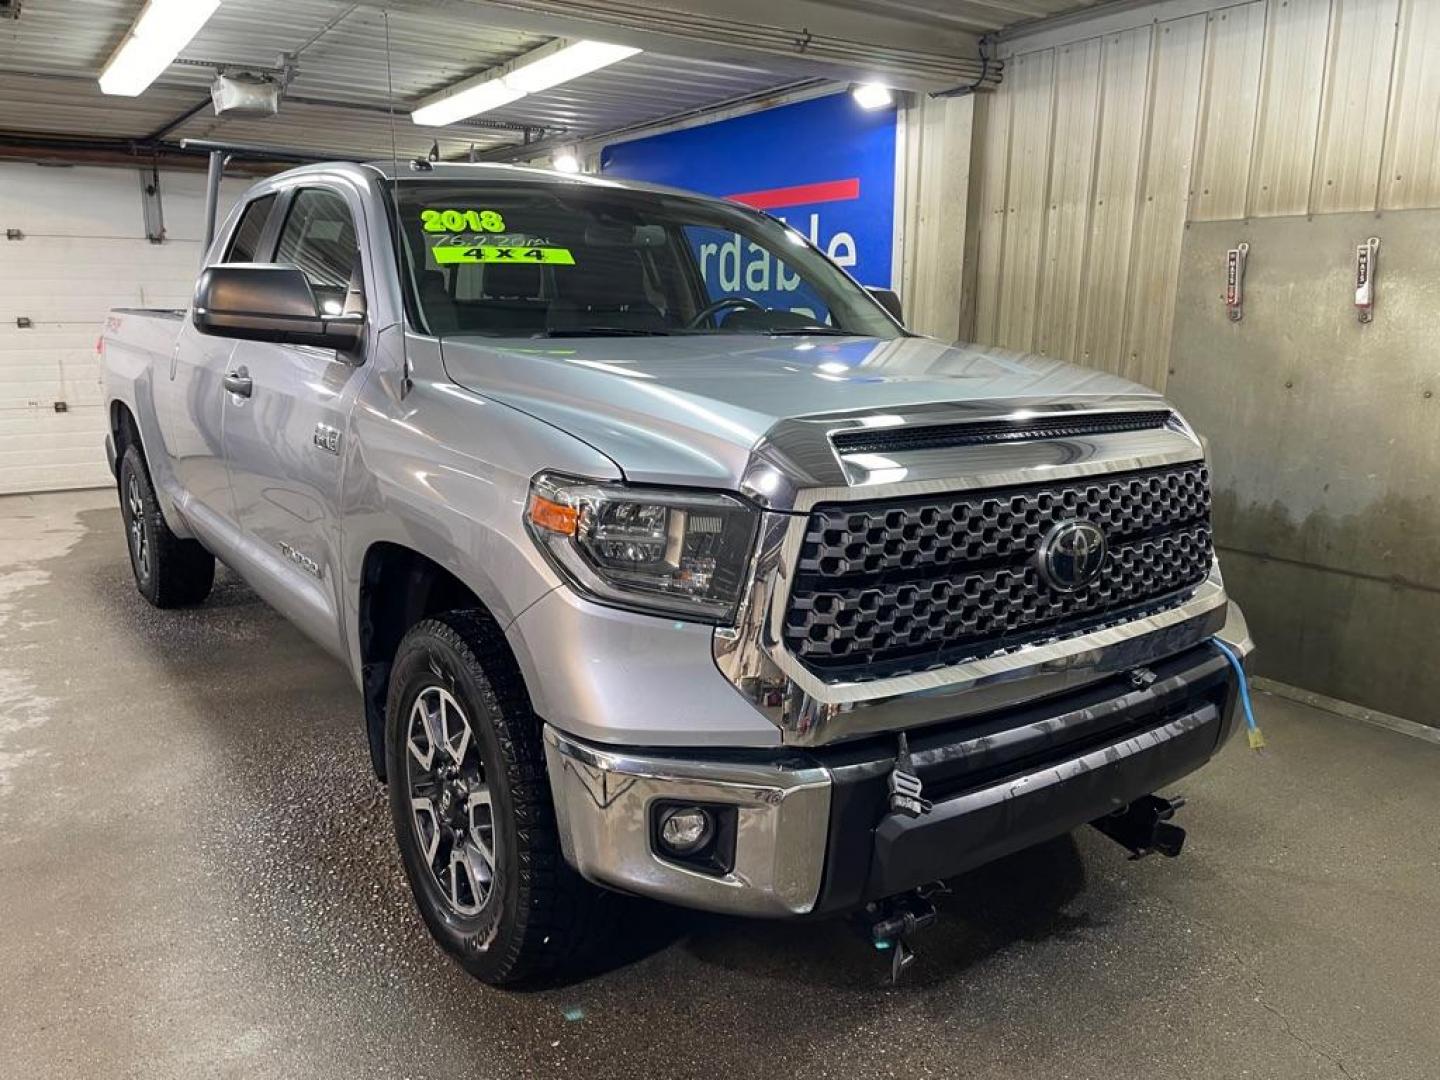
(689, 409)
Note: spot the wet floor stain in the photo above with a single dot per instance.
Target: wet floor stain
(198, 879)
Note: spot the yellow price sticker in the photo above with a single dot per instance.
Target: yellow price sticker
(452, 254)
(454, 221)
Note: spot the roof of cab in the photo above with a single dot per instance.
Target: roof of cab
(483, 171)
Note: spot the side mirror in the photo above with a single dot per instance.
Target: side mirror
(889, 299)
(263, 302)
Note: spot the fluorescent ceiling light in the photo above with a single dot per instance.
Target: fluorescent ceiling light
(162, 30)
(550, 65)
(571, 62)
(566, 162)
(871, 95)
(466, 101)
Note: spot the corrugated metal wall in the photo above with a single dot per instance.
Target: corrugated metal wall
(1098, 149)
(933, 183)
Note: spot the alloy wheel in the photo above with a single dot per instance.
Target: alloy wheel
(139, 541)
(450, 805)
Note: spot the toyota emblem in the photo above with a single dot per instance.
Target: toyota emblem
(1071, 555)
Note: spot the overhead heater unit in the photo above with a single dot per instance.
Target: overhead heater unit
(244, 95)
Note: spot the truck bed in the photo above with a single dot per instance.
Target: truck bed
(136, 348)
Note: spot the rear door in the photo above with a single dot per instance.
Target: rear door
(284, 441)
(193, 395)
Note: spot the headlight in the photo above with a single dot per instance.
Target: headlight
(676, 552)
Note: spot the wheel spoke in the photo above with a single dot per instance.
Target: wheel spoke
(427, 828)
(431, 718)
(481, 824)
(453, 727)
(465, 884)
(424, 758)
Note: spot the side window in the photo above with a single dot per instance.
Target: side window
(253, 219)
(731, 265)
(319, 239)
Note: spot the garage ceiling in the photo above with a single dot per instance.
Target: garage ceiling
(983, 16)
(331, 56)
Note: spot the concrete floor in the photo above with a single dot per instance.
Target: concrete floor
(197, 879)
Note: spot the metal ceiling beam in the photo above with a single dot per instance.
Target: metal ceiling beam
(526, 150)
(293, 155)
(801, 38)
(477, 125)
(474, 123)
(81, 150)
(175, 121)
(1112, 18)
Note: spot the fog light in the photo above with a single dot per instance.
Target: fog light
(685, 829)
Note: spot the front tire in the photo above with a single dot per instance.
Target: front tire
(472, 809)
(169, 572)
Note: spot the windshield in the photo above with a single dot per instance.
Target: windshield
(538, 259)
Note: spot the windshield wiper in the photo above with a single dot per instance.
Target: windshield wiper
(604, 331)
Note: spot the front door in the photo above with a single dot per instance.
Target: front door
(285, 436)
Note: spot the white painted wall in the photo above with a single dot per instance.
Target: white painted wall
(84, 251)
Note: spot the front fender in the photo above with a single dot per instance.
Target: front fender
(444, 472)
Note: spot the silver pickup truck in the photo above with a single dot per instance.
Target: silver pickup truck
(666, 561)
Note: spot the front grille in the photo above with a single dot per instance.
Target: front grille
(889, 588)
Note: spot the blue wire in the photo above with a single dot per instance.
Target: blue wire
(1229, 654)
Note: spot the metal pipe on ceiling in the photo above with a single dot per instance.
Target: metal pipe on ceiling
(213, 173)
(266, 153)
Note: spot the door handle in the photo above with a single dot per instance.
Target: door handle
(239, 382)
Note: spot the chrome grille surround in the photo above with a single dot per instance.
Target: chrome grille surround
(796, 469)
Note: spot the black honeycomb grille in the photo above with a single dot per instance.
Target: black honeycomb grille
(889, 588)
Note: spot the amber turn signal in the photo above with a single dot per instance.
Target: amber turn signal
(553, 516)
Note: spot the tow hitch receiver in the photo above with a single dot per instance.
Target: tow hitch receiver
(1144, 827)
(892, 922)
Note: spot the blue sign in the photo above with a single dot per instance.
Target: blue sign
(825, 166)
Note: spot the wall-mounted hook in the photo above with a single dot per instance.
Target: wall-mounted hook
(1235, 281)
(1367, 256)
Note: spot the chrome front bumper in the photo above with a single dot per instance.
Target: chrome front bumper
(785, 831)
(602, 802)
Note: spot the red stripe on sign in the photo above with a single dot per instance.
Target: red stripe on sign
(800, 194)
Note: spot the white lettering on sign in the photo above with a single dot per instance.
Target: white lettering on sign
(742, 265)
(749, 266)
(840, 247)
